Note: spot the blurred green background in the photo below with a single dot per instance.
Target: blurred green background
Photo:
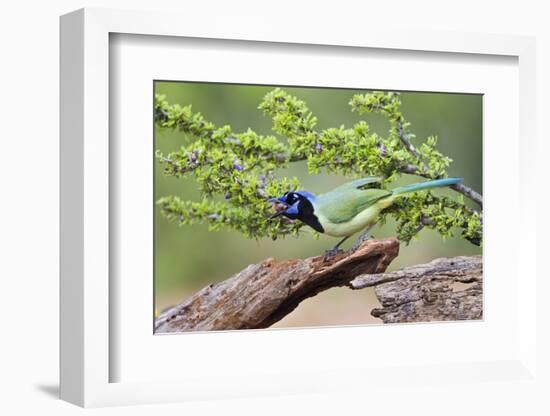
(188, 258)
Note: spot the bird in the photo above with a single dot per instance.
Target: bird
(347, 209)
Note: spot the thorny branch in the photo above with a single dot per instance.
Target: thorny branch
(236, 165)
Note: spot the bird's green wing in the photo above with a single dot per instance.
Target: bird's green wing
(358, 183)
(341, 205)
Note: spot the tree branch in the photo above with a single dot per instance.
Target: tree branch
(413, 170)
(445, 289)
(264, 293)
(468, 192)
(289, 157)
(460, 188)
(408, 145)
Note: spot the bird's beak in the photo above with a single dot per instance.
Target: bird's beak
(279, 206)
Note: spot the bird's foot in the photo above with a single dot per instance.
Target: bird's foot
(362, 238)
(331, 253)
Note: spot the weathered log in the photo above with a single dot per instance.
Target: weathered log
(264, 293)
(445, 289)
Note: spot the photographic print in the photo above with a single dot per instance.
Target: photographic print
(295, 207)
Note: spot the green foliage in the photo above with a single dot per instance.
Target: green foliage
(235, 172)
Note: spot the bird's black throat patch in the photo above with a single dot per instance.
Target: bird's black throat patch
(306, 214)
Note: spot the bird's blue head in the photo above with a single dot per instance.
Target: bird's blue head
(298, 205)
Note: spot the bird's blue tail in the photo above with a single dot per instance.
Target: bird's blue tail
(437, 183)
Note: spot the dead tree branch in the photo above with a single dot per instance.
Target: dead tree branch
(445, 289)
(264, 293)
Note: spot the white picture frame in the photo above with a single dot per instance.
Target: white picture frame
(86, 291)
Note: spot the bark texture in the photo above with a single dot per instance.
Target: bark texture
(446, 289)
(264, 293)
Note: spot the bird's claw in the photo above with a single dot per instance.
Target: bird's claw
(360, 241)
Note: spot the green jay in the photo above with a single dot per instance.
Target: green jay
(347, 209)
